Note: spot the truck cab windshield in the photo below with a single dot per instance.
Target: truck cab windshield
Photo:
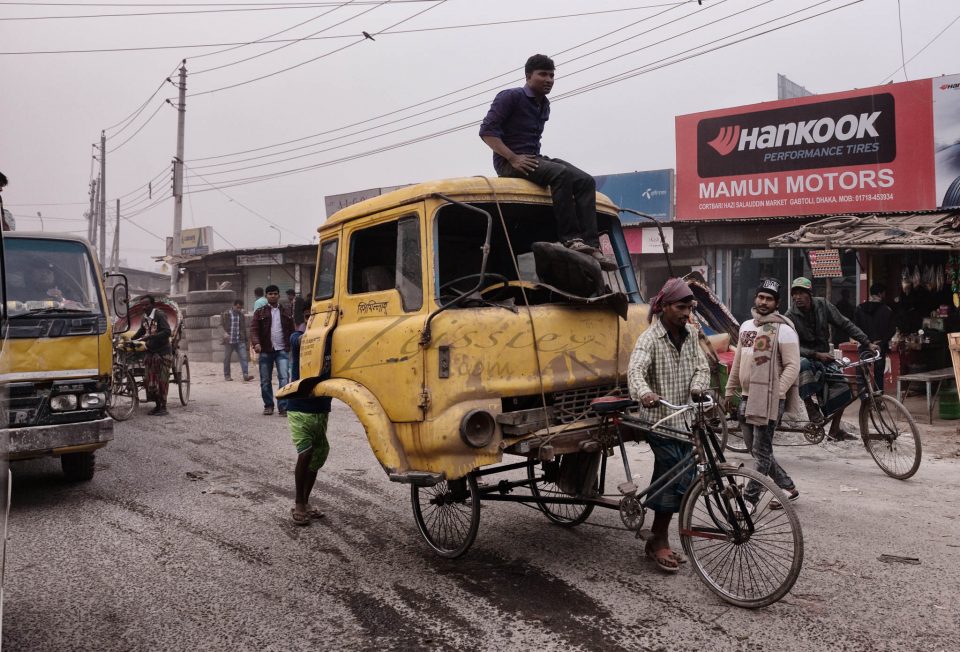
(49, 277)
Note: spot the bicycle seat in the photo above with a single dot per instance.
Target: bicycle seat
(610, 404)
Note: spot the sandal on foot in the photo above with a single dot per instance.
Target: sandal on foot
(664, 559)
(315, 514)
(299, 518)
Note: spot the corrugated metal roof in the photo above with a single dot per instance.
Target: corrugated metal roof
(922, 230)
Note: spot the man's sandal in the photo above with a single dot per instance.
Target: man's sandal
(315, 514)
(299, 518)
(665, 559)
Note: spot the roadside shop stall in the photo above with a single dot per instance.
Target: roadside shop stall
(916, 256)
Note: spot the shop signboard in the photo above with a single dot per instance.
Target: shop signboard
(196, 242)
(647, 241)
(649, 191)
(257, 260)
(868, 150)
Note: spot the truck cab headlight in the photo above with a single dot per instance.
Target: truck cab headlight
(63, 402)
(94, 400)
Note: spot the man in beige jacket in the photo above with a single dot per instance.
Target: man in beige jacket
(765, 367)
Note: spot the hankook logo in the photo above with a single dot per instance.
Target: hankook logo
(839, 133)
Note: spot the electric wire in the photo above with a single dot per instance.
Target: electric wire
(461, 110)
(239, 203)
(317, 58)
(134, 134)
(293, 42)
(433, 99)
(266, 40)
(191, 12)
(903, 63)
(133, 116)
(587, 88)
(920, 51)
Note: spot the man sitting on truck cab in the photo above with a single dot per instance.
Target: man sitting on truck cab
(512, 129)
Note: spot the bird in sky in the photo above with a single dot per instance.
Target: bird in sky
(367, 35)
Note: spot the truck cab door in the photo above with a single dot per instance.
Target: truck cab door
(324, 311)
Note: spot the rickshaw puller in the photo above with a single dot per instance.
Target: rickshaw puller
(668, 363)
(155, 333)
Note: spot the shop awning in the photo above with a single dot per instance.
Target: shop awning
(926, 231)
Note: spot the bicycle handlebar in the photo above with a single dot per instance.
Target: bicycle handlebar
(707, 402)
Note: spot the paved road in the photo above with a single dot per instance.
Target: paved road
(183, 541)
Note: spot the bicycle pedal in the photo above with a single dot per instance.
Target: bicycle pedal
(627, 488)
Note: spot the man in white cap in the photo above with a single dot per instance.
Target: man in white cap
(765, 367)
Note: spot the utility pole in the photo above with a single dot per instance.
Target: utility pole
(96, 216)
(103, 198)
(115, 254)
(178, 179)
(92, 215)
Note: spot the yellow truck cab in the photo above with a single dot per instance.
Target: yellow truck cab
(56, 362)
(445, 316)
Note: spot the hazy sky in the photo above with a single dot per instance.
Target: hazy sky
(55, 105)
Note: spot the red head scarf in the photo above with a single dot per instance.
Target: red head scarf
(674, 290)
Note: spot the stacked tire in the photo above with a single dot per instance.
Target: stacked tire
(203, 333)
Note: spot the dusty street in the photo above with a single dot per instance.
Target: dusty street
(183, 541)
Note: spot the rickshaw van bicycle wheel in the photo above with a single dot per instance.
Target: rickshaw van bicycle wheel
(447, 515)
(890, 435)
(182, 378)
(759, 568)
(125, 387)
(566, 515)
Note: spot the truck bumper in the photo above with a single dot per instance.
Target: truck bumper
(39, 441)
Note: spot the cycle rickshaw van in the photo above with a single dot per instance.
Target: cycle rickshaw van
(129, 374)
(457, 330)
(446, 320)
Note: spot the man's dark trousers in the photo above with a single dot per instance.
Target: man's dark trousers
(574, 197)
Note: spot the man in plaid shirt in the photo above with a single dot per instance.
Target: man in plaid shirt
(667, 363)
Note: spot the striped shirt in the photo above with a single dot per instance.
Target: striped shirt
(657, 366)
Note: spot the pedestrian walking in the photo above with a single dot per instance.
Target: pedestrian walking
(765, 367)
(270, 331)
(259, 301)
(295, 305)
(234, 324)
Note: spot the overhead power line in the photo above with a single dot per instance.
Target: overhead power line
(286, 45)
(442, 96)
(920, 51)
(140, 128)
(268, 40)
(284, 7)
(317, 58)
(483, 92)
(133, 116)
(647, 68)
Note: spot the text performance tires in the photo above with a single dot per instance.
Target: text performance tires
(890, 434)
(182, 378)
(567, 515)
(124, 399)
(447, 515)
(749, 560)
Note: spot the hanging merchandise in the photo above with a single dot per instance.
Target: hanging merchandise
(955, 279)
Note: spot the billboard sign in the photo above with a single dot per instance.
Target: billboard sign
(869, 150)
(196, 242)
(649, 192)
